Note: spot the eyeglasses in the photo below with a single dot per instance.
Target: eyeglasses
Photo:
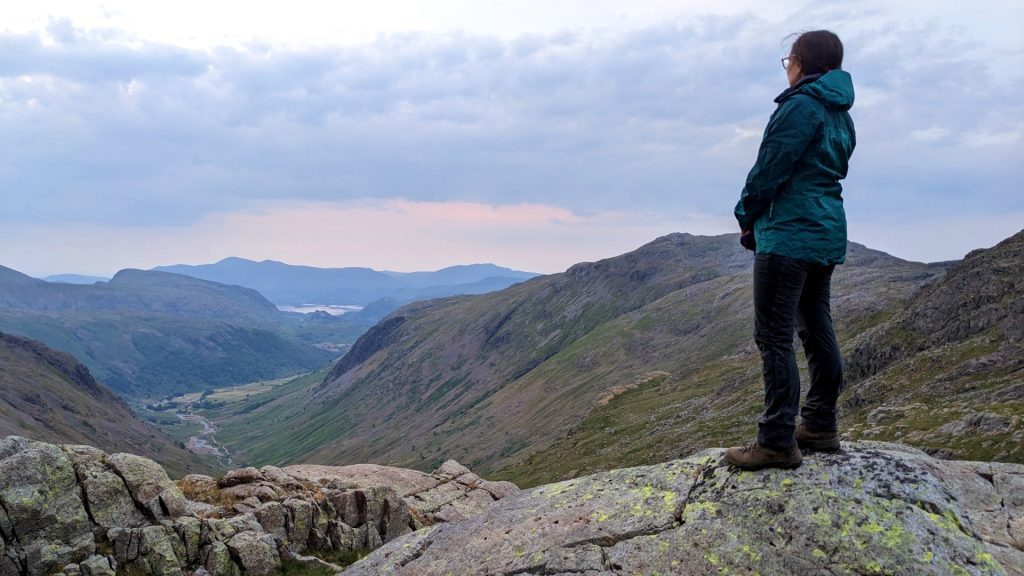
(786, 62)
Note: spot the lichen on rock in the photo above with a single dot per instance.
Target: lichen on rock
(43, 515)
(872, 509)
(60, 505)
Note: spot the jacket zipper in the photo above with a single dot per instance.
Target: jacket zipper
(771, 208)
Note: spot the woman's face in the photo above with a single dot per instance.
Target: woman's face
(793, 72)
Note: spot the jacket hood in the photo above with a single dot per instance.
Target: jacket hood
(834, 89)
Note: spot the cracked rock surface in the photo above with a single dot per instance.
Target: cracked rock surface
(72, 510)
(874, 508)
(449, 494)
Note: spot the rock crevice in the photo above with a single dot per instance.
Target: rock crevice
(7, 532)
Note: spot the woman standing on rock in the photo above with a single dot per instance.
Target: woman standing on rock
(791, 213)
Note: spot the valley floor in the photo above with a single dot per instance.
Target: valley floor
(188, 418)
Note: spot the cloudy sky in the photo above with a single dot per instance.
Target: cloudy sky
(411, 135)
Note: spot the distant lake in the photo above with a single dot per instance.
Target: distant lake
(332, 309)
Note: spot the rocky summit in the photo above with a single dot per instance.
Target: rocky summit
(69, 509)
(873, 508)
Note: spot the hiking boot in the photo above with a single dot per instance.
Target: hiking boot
(753, 456)
(816, 440)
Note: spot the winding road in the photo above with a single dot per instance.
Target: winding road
(205, 443)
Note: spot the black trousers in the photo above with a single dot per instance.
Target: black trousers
(793, 295)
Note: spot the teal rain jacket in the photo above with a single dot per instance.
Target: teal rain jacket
(792, 198)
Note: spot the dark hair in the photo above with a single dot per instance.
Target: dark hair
(818, 52)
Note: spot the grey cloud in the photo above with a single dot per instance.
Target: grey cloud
(918, 80)
(91, 58)
(642, 120)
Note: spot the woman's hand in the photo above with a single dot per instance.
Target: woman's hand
(747, 239)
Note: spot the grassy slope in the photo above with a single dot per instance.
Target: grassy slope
(271, 427)
(47, 395)
(953, 349)
(955, 352)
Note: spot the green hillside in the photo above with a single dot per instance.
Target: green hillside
(49, 396)
(153, 334)
(946, 372)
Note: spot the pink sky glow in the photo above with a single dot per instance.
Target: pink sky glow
(396, 235)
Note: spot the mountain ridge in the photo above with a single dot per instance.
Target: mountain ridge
(290, 284)
(139, 290)
(75, 279)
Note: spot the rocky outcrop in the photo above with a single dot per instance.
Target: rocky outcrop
(43, 521)
(450, 493)
(77, 510)
(873, 508)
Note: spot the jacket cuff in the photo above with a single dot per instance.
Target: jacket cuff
(744, 221)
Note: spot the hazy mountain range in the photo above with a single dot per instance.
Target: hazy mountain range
(75, 279)
(649, 355)
(291, 285)
(179, 328)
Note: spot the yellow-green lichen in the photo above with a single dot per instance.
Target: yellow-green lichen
(821, 518)
(640, 510)
(752, 555)
(670, 500)
(947, 521)
(556, 489)
(986, 559)
(872, 527)
(693, 509)
(956, 570)
(894, 536)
